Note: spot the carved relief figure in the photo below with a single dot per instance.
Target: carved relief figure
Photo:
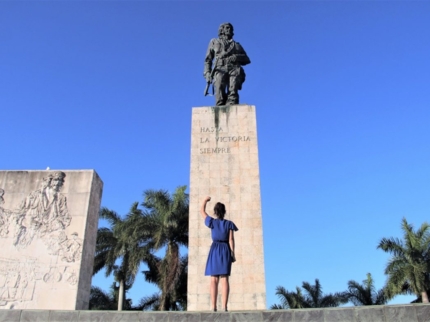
(72, 249)
(56, 215)
(30, 212)
(22, 286)
(33, 207)
(55, 241)
(20, 230)
(4, 217)
(44, 213)
(71, 276)
(11, 285)
(53, 276)
(17, 281)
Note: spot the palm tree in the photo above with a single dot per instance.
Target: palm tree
(101, 300)
(165, 219)
(175, 300)
(314, 297)
(289, 300)
(408, 269)
(118, 252)
(365, 294)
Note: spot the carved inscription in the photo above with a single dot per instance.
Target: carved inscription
(214, 150)
(219, 139)
(210, 129)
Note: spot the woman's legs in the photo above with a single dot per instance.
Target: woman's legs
(214, 290)
(225, 290)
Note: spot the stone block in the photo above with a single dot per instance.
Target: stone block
(215, 317)
(400, 313)
(126, 317)
(96, 316)
(278, 316)
(339, 315)
(48, 228)
(309, 315)
(247, 317)
(423, 312)
(10, 315)
(34, 316)
(63, 316)
(184, 317)
(370, 314)
(109, 316)
(153, 316)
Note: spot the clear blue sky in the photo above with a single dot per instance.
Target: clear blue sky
(341, 88)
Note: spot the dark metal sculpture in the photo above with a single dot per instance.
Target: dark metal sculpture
(227, 74)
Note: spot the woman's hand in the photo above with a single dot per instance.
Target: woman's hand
(203, 207)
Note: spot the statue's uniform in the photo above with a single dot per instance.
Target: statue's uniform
(229, 75)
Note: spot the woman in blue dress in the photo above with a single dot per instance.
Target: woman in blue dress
(221, 253)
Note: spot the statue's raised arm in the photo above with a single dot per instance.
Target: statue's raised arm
(227, 75)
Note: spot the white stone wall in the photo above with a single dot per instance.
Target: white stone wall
(48, 228)
(224, 165)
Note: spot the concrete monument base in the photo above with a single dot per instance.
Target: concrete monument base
(380, 313)
(48, 228)
(224, 166)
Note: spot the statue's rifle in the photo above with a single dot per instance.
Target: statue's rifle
(211, 77)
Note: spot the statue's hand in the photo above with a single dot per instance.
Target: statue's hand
(208, 78)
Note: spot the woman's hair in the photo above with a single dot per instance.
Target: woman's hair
(219, 210)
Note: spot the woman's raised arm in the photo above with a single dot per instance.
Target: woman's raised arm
(203, 207)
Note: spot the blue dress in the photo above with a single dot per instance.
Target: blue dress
(219, 258)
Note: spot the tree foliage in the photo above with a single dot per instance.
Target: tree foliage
(365, 293)
(101, 300)
(408, 269)
(167, 220)
(310, 297)
(119, 253)
(162, 225)
(175, 300)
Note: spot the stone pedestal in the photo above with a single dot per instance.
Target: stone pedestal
(48, 228)
(224, 166)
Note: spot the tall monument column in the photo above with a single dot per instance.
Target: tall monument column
(224, 166)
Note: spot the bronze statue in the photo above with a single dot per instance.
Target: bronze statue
(227, 75)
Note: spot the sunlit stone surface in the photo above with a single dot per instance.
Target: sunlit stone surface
(224, 165)
(48, 228)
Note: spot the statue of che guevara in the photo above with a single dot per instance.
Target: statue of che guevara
(227, 74)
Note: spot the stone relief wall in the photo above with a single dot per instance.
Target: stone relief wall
(41, 243)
